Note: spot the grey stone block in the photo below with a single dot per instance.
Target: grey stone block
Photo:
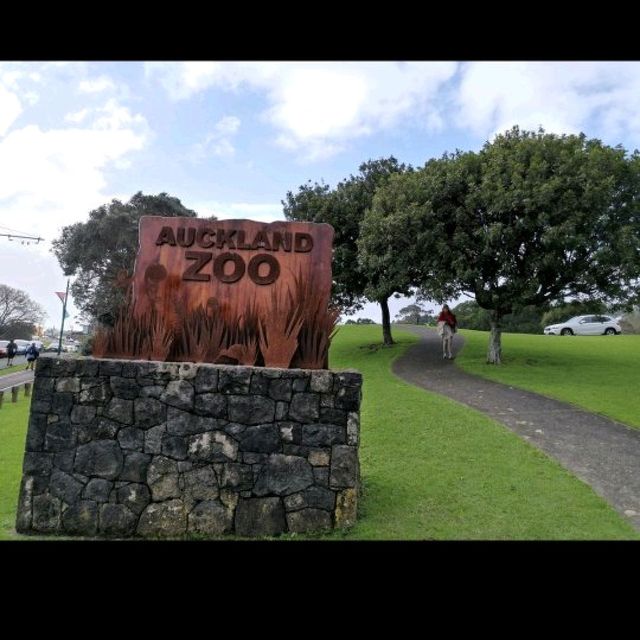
(234, 380)
(305, 407)
(251, 409)
(95, 392)
(62, 403)
(182, 423)
(119, 410)
(131, 438)
(210, 518)
(60, 436)
(260, 517)
(262, 438)
(98, 490)
(98, 429)
(321, 381)
(102, 458)
(110, 367)
(281, 390)
(46, 513)
(180, 394)
(63, 460)
(283, 475)
(344, 467)
(332, 415)
(65, 487)
(213, 405)
(164, 520)
(206, 380)
(36, 432)
(174, 447)
(116, 520)
(238, 477)
(81, 519)
(201, 484)
(82, 414)
(153, 439)
(135, 467)
(212, 446)
(307, 520)
(134, 496)
(37, 464)
(323, 435)
(320, 498)
(149, 412)
(124, 388)
(68, 384)
(259, 384)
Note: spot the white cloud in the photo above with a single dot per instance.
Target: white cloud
(77, 116)
(218, 142)
(96, 85)
(268, 212)
(317, 108)
(602, 99)
(227, 126)
(53, 177)
(10, 109)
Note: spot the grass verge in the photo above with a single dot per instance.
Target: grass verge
(598, 373)
(13, 429)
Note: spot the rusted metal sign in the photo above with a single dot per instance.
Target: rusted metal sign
(229, 261)
(234, 291)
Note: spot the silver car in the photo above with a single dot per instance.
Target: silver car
(595, 325)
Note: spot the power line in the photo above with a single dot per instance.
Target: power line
(11, 229)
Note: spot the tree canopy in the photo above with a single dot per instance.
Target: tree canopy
(18, 313)
(532, 218)
(344, 208)
(97, 250)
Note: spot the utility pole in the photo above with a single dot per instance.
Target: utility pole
(64, 313)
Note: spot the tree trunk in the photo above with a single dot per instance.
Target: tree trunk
(494, 352)
(386, 321)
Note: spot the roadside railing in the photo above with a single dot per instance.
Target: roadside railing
(15, 390)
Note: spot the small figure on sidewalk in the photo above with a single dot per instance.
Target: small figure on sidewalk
(12, 348)
(447, 324)
(32, 354)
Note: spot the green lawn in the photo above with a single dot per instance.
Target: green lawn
(431, 468)
(599, 373)
(13, 428)
(4, 370)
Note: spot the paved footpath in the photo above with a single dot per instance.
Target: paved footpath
(602, 452)
(12, 379)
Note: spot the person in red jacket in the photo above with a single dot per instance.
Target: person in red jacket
(447, 324)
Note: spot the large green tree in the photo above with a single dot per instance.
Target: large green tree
(534, 218)
(344, 208)
(392, 245)
(96, 251)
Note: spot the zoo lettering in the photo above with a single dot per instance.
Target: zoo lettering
(207, 237)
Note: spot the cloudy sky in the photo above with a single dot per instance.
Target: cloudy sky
(231, 139)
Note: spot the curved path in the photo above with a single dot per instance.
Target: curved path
(602, 452)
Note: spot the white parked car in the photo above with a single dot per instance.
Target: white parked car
(595, 325)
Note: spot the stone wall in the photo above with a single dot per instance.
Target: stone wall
(123, 448)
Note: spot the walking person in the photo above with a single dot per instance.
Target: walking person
(32, 354)
(447, 325)
(12, 348)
